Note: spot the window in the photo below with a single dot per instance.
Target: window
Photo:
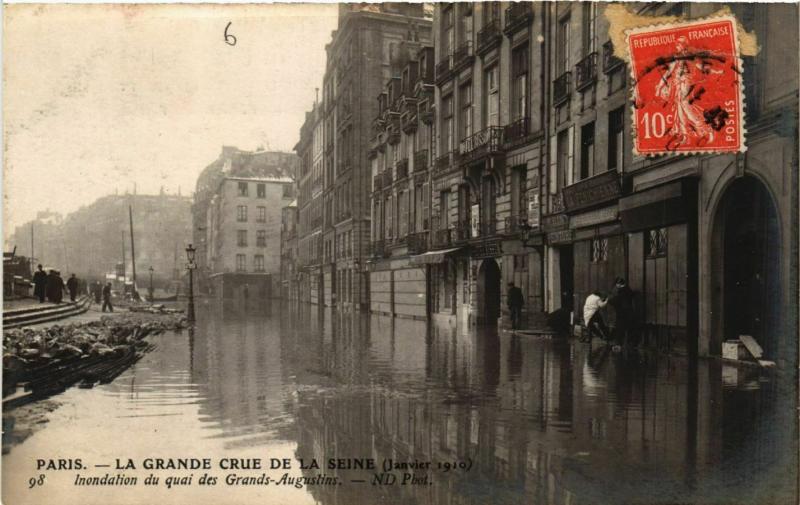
(241, 213)
(587, 150)
(241, 238)
(259, 263)
(616, 126)
(562, 157)
(287, 191)
(589, 27)
(599, 250)
(519, 82)
(562, 45)
(261, 190)
(447, 124)
(241, 263)
(444, 210)
(261, 214)
(492, 97)
(448, 34)
(465, 94)
(656, 242)
(261, 238)
(242, 189)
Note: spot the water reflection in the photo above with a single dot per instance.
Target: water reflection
(543, 421)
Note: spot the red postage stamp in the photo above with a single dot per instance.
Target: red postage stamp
(687, 94)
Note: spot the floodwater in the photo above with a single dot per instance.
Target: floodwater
(519, 419)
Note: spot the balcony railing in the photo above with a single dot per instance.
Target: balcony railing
(514, 224)
(402, 169)
(489, 37)
(442, 164)
(444, 69)
(417, 242)
(586, 72)
(387, 178)
(377, 182)
(443, 238)
(610, 62)
(517, 16)
(463, 230)
(561, 88)
(488, 227)
(517, 130)
(486, 141)
(463, 57)
(420, 161)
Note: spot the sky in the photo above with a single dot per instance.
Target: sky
(105, 98)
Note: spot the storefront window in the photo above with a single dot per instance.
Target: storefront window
(599, 250)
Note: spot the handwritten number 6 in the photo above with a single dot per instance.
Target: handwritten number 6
(229, 38)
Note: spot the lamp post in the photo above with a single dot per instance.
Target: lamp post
(151, 284)
(190, 256)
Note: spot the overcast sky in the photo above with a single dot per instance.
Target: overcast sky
(98, 98)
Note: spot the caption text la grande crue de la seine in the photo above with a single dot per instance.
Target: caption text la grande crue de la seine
(174, 473)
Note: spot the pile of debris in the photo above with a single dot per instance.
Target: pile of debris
(151, 308)
(48, 360)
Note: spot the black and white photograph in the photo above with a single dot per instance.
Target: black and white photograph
(401, 253)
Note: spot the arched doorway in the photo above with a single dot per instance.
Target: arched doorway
(488, 292)
(746, 265)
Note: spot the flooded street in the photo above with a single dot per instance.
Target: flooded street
(540, 421)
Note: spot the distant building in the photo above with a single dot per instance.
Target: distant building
(94, 239)
(289, 252)
(237, 216)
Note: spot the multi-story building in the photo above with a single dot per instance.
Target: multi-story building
(237, 213)
(707, 241)
(290, 282)
(95, 239)
(358, 65)
(310, 206)
(489, 156)
(401, 154)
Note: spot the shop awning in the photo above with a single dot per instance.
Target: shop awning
(432, 257)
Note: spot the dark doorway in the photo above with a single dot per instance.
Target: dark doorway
(567, 271)
(751, 264)
(488, 292)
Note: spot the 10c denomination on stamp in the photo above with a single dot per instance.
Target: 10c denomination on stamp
(687, 87)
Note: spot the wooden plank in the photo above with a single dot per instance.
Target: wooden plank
(752, 346)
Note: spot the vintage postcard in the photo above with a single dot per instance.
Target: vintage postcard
(400, 253)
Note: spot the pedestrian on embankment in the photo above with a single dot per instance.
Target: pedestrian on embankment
(40, 284)
(515, 302)
(107, 298)
(55, 287)
(72, 287)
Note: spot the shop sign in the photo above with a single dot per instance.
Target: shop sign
(560, 237)
(489, 249)
(555, 222)
(594, 217)
(592, 191)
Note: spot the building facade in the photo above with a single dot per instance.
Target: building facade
(238, 206)
(290, 279)
(358, 65)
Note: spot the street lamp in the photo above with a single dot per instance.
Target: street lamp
(190, 256)
(151, 284)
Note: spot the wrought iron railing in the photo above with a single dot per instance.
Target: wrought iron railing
(417, 242)
(402, 169)
(420, 161)
(561, 88)
(489, 139)
(489, 36)
(462, 56)
(610, 62)
(586, 71)
(443, 238)
(517, 130)
(518, 14)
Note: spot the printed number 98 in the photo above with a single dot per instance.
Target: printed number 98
(655, 125)
(35, 481)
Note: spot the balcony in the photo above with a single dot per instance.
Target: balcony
(443, 238)
(377, 182)
(463, 230)
(393, 137)
(444, 69)
(514, 224)
(517, 131)
(489, 37)
(417, 242)
(420, 161)
(586, 72)
(594, 191)
(611, 62)
(486, 141)
(561, 88)
(463, 56)
(518, 15)
(387, 178)
(442, 164)
(408, 121)
(402, 169)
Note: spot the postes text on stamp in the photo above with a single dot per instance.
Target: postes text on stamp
(687, 94)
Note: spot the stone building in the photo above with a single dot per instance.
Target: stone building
(707, 242)
(310, 206)
(290, 283)
(237, 212)
(358, 65)
(490, 124)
